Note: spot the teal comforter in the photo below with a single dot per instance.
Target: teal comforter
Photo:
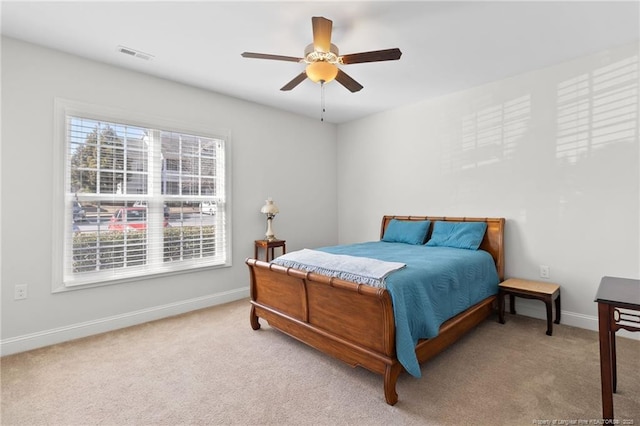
(437, 284)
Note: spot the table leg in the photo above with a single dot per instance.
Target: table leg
(558, 309)
(614, 363)
(547, 302)
(501, 307)
(606, 371)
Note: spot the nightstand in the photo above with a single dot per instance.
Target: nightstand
(547, 292)
(269, 247)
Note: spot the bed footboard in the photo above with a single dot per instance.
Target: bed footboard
(349, 321)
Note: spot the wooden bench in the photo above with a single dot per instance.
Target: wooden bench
(547, 292)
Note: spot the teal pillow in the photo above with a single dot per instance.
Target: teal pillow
(465, 235)
(406, 231)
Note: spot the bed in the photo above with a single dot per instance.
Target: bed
(355, 322)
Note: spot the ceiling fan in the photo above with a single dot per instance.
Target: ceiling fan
(322, 58)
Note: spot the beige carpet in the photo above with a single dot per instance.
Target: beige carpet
(210, 367)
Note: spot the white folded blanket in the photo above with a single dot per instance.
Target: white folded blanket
(361, 270)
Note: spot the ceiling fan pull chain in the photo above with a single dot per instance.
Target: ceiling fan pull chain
(322, 109)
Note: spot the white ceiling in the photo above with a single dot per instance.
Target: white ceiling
(447, 46)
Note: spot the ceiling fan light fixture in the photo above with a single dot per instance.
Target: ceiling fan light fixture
(323, 57)
(321, 71)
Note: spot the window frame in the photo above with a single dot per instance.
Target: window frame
(61, 216)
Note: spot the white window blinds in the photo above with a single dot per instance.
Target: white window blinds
(140, 200)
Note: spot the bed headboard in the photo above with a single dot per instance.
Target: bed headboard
(493, 241)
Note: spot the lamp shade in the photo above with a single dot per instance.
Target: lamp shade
(321, 71)
(269, 208)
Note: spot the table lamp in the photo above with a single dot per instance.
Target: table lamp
(270, 210)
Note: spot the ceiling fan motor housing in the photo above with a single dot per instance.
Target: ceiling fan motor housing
(311, 55)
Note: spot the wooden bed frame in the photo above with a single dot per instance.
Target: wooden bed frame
(355, 322)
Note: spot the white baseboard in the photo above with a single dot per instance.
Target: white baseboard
(75, 331)
(529, 309)
(31, 341)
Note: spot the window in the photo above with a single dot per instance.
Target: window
(135, 197)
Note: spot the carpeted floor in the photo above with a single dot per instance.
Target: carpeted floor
(209, 367)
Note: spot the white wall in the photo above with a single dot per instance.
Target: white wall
(269, 158)
(496, 150)
(507, 149)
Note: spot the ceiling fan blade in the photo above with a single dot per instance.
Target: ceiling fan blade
(267, 56)
(373, 56)
(321, 33)
(348, 82)
(293, 83)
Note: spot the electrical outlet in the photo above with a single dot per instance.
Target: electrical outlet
(20, 292)
(544, 271)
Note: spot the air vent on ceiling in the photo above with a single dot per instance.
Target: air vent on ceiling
(135, 53)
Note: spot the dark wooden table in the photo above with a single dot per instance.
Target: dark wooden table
(269, 247)
(613, 295)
